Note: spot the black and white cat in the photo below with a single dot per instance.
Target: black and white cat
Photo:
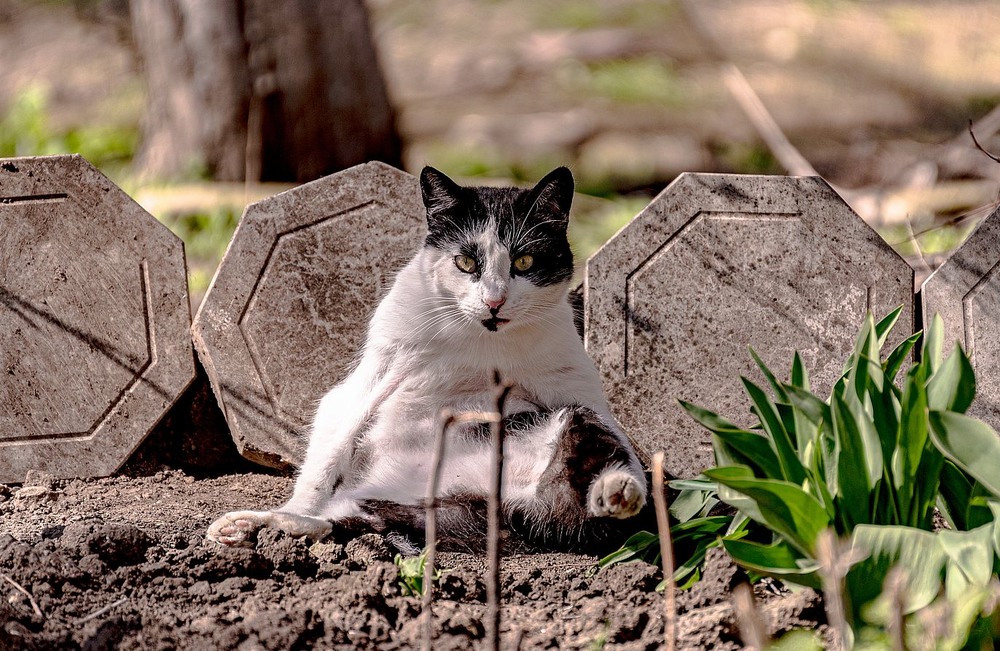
(487, 293)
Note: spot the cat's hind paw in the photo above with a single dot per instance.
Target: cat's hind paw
(239, 528)
(615, 494)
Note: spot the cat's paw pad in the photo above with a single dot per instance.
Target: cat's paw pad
(616, 494)
(238, 528)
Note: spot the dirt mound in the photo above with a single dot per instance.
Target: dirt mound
(123, 563)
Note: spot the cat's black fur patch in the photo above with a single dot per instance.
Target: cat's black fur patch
(585, 449)
(531, 222)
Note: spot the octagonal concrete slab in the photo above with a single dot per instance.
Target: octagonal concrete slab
(288, 309)
(717, 263)
(94, 320)
(965, 291)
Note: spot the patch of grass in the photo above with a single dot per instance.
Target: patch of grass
(643, 80)
(596, 220)
(749, 158)
(25, 131)
(590, 14)
(411, 573)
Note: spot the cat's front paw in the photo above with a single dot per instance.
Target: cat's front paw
(615, 494)
(238, 528)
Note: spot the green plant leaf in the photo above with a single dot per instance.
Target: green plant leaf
(919, 552)
(970, 558)
(799, 375)
(955, 491)
(778, 560)
(776, 386)
(852, 462)
(953, 386)
(933, 345)
(898, 356)
(635, 548)
(780, 505)
(791, 466)
(817, 411)
(911, 440)
(970, 444)
(885, 326)
(752, 450)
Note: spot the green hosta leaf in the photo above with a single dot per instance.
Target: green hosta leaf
(815, 409)
(970, 558)
(693, 502)
(955, 495)
(799, 376)
(885, 326)
(791, 467)
(638, 546)
(865, 366)
(750, 449)
(970, 444)
(778, 559)
(853, 464)
(912, 438)
(898, 356)
(933, 345)
(781, 506)
(776, 386)
(919, 552)
(953, 386)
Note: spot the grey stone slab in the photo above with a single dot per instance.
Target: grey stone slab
(288, 309)
(717, 263)
(94, 320)
(965, 291)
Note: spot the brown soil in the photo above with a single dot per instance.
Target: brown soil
(122, 562)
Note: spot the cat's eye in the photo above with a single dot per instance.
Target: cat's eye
(466, 264)
(523, 263)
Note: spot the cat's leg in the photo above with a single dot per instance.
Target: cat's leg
(239, 528)
(342, 414)
(593, 473)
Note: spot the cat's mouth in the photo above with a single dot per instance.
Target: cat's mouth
(493, 323)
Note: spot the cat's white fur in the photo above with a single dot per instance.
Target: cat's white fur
(427, 349)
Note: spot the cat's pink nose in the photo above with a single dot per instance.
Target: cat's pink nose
(494, 304)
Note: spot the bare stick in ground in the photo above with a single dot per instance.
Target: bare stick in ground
(666, 554)
(835, 560)
(493, 523)
(430, 527)
(20, 588)
(751, 627)
(447, 418)
(101, 611)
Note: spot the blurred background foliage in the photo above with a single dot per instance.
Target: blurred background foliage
(628, 93)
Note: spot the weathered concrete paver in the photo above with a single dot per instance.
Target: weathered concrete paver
(965, 291)
(717, 263)
(94, 320)
(289, 306)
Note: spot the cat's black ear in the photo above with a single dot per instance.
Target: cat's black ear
(553, 195)
(440, 193)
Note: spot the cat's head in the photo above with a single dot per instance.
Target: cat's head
(499, 256)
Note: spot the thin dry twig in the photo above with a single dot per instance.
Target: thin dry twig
(747, 616)
(493, 515)
(748, 99)
(430, 528)
(447, 418)
(20, 588)
(101, 611)
(835, 560)
(895, 588)
(972, 133)
(666, 554)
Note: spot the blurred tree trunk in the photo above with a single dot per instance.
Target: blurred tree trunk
(259, 89)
